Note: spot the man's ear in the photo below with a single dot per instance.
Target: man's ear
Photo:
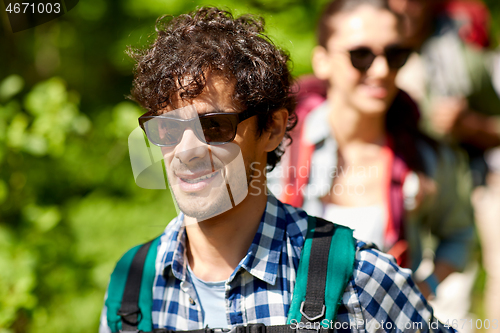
(277, 129)
(321, 63)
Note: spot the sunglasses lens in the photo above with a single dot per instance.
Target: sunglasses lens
(362, 58)
(218, 129)
(397, 57)
(164, 131)
(213, 129)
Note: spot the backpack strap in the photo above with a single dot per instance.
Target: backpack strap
(254, 328)
(129, 308)
(318, 291)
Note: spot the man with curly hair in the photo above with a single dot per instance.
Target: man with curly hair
(217, 90)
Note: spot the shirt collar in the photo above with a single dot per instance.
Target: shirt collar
(174, 239)
(263, 257)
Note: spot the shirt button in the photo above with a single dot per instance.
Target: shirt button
(191, 301)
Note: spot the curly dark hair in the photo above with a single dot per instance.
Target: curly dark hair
(209, 39)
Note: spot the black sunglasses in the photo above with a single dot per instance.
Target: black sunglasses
(362, 58)
(211, 128)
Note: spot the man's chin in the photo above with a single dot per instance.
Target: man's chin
(203, 208)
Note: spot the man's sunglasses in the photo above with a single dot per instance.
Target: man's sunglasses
(211, 128)
(362, 58)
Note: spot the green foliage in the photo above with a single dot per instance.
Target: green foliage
(494, 6)
(69, 208)
(16, 284)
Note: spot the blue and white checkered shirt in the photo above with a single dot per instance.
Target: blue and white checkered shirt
(380, 297)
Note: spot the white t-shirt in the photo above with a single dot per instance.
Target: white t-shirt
(212, 298)
(368, 222)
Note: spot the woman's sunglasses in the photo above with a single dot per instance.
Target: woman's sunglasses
(362, 58)
(211, 128)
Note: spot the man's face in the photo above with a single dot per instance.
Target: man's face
(208, 180)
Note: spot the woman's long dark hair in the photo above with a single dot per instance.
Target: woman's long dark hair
(324, 29)
(401, 123)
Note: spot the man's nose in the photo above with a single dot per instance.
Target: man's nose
(190, 147)
(380, 67)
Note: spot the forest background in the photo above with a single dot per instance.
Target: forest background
(69, 206)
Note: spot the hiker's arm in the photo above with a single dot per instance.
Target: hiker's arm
(449, 216)
(441, 271)
(452, 219)
(478, 129)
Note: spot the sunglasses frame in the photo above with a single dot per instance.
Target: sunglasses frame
(375, 55)
(234, 117)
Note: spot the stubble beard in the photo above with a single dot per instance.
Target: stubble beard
(213, 204)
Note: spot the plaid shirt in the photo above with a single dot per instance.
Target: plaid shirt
(379, 297)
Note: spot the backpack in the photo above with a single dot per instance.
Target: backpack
(325, 268)
(472, 19)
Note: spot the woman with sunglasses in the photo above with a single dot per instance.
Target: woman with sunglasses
(360, 159)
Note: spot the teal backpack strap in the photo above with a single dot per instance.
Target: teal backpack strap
(129, 308)
(325, 268)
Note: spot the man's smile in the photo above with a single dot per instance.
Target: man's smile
(196, 181)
